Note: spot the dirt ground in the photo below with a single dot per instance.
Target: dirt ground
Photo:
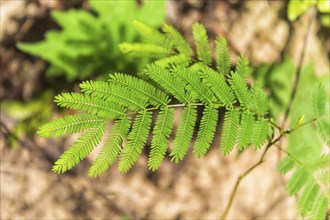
(193, 189)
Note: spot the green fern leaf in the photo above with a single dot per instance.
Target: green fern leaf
(319, 208)
(218, 85)
(111, 148)
(307, 198)
(285, 165)
(246, 130)
(115, 94)
(229, 131)
(184, 133)
(93, 105)
(80, 149)
(223, 55)
(260, 132)
(241, 91)
(242, 67)
(202, 44)
(69, 124)
(144, 50)
(135, 141)
(175, 60)
(156, 97)
(206, 131)
(319, 100)
(148, 32)
(323, 128)
(166, 80)
(161, 133)
(177, 40)
(297, 180)
(260, 101)
(193, 84)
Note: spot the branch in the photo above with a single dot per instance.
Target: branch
(243, 175)
(298, 70)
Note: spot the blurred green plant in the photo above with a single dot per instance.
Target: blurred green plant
(305, 151)
(87, 43)
(297, 7)
(27, 116)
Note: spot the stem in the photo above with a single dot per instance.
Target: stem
(298, 71)
(243, 175)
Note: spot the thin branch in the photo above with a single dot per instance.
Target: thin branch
(243, 175)
(298, 70)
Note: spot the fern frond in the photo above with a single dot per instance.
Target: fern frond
(156, 97)
(175, 60)
(285, 165)
(111, 148)
(114, 94)
(319, 208)
(319, 100)
(260, 101)
(246, 129)
(260, 132)
(319, 97)
(229, 131)
(218, 85)
(95, 106)
(177, 40)
(69, 124)
(161, 133)
(202, 44)
(206, 131)
(166, 80)
(223, 55)
(135, 141)
(144, 50)
(80, 149)
(297, 180)
(241, 90)
(242, 66)
(184, 133)
(194, 84)
(307, 198)
(148, 32)
(323, 128)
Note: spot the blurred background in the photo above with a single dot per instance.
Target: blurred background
(49, 46)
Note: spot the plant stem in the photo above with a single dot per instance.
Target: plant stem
(243, 175)
(298, 71)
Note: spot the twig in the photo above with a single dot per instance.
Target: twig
(298, 70)
(243, 175)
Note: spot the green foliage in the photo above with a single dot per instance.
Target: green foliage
(230, 131)
(311, 179)
(124, 96)
(206, 131)
(27, 116)
(297, 7)
(184, 133)
(202, 44)
(161, 133)
(309, 165)
(87, 43)
(135, 141)
(80, 149)
(223, 56)
(111, 148)
(321, 113)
